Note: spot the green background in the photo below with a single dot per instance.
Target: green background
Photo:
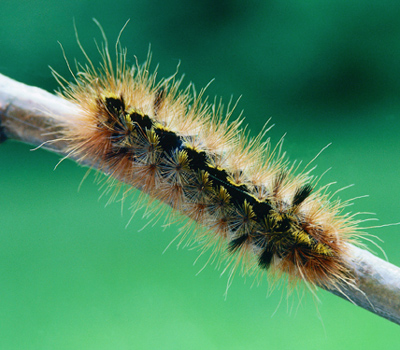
(73, 277)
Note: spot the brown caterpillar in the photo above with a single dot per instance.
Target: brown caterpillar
(181, 150)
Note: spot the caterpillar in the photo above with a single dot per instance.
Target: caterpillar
(246, 202)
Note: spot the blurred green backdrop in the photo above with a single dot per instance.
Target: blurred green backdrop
(73, 277)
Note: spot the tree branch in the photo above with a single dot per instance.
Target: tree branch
(32, 115)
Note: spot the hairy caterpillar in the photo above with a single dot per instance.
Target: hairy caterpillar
(180, 150)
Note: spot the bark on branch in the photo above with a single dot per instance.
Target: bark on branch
(32, 115)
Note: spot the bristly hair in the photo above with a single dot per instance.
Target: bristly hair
(181, 150)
